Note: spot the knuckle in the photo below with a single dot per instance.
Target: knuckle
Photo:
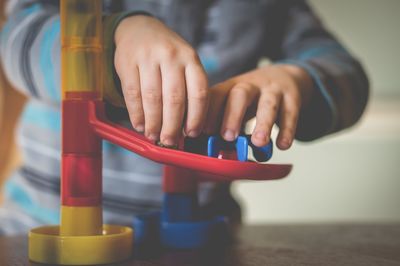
(243, 85)
(291, 115)
(271, 104)
(240, 90)
(275, 88)
(290, 130)
(191, 54)
(152, 95)
(131, 92)
(200, 94)
(144, 55)
(169, 51)
(194, 123)
(175, 98)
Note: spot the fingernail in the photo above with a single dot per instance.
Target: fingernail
(152, 137)
(168, 142)
(139, 128)
(260, 135)
(193, 133)
(229, 135)
(285, 143)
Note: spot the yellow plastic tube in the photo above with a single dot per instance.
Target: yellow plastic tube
(81, 51)
(81, 57)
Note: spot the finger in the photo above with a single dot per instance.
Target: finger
(130, 83)
(197, 95)
(289, 115)
(150, 84)
(239, 99)
(216, 106)
(174, 99)
(267, 110)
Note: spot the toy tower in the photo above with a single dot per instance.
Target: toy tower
(81, 238)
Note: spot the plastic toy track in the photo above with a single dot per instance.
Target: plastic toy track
(203, 167)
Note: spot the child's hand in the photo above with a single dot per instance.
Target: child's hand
(271, 93)
(159, 72)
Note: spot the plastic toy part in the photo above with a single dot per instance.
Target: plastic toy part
(81, 221)
(191, 235)
(262, 154)
(202, 167)
(153, 232)
(113, 245)
(219, 148)
(179, 207)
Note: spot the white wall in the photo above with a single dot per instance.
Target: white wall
(371, 30)
(353, 176)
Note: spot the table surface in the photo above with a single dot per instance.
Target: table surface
(269, 245)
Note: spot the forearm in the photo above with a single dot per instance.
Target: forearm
(341, 94)
(340, 83)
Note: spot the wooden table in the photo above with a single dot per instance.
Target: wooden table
(270, 245)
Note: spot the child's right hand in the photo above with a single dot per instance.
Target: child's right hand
(159, 72)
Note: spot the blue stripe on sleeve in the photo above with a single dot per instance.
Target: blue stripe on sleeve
(20, 197)
(210, 64)
(112, 148)
(320, 51)
(42, 116)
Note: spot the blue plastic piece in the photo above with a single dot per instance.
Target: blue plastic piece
(191, 235)
(242, 144)
(213, 146)
(176, 225)
(151, 230)
(264, 153)
(261, 154)
(147, 228)
(178, 207)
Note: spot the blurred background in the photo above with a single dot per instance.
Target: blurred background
(353, 176)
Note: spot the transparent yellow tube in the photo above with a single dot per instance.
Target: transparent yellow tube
(81, 48)
(81, 56)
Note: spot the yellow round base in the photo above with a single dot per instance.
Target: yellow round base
(47, 246)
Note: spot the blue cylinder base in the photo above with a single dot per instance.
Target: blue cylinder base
(151, 231)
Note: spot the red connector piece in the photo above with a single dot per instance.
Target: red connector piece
(82, 155)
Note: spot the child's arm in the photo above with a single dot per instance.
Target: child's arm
(157, 69)
(315, 88)
(30, 48)
(342, 87)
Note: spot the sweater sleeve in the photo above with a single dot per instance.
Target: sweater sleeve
(342, 87)
(30, 50)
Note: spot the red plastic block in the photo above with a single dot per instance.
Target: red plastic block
(81, 182)
(178, 180)
(78, 136)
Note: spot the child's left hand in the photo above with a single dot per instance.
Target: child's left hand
(273, 93)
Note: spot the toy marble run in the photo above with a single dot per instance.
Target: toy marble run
(81, 237)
